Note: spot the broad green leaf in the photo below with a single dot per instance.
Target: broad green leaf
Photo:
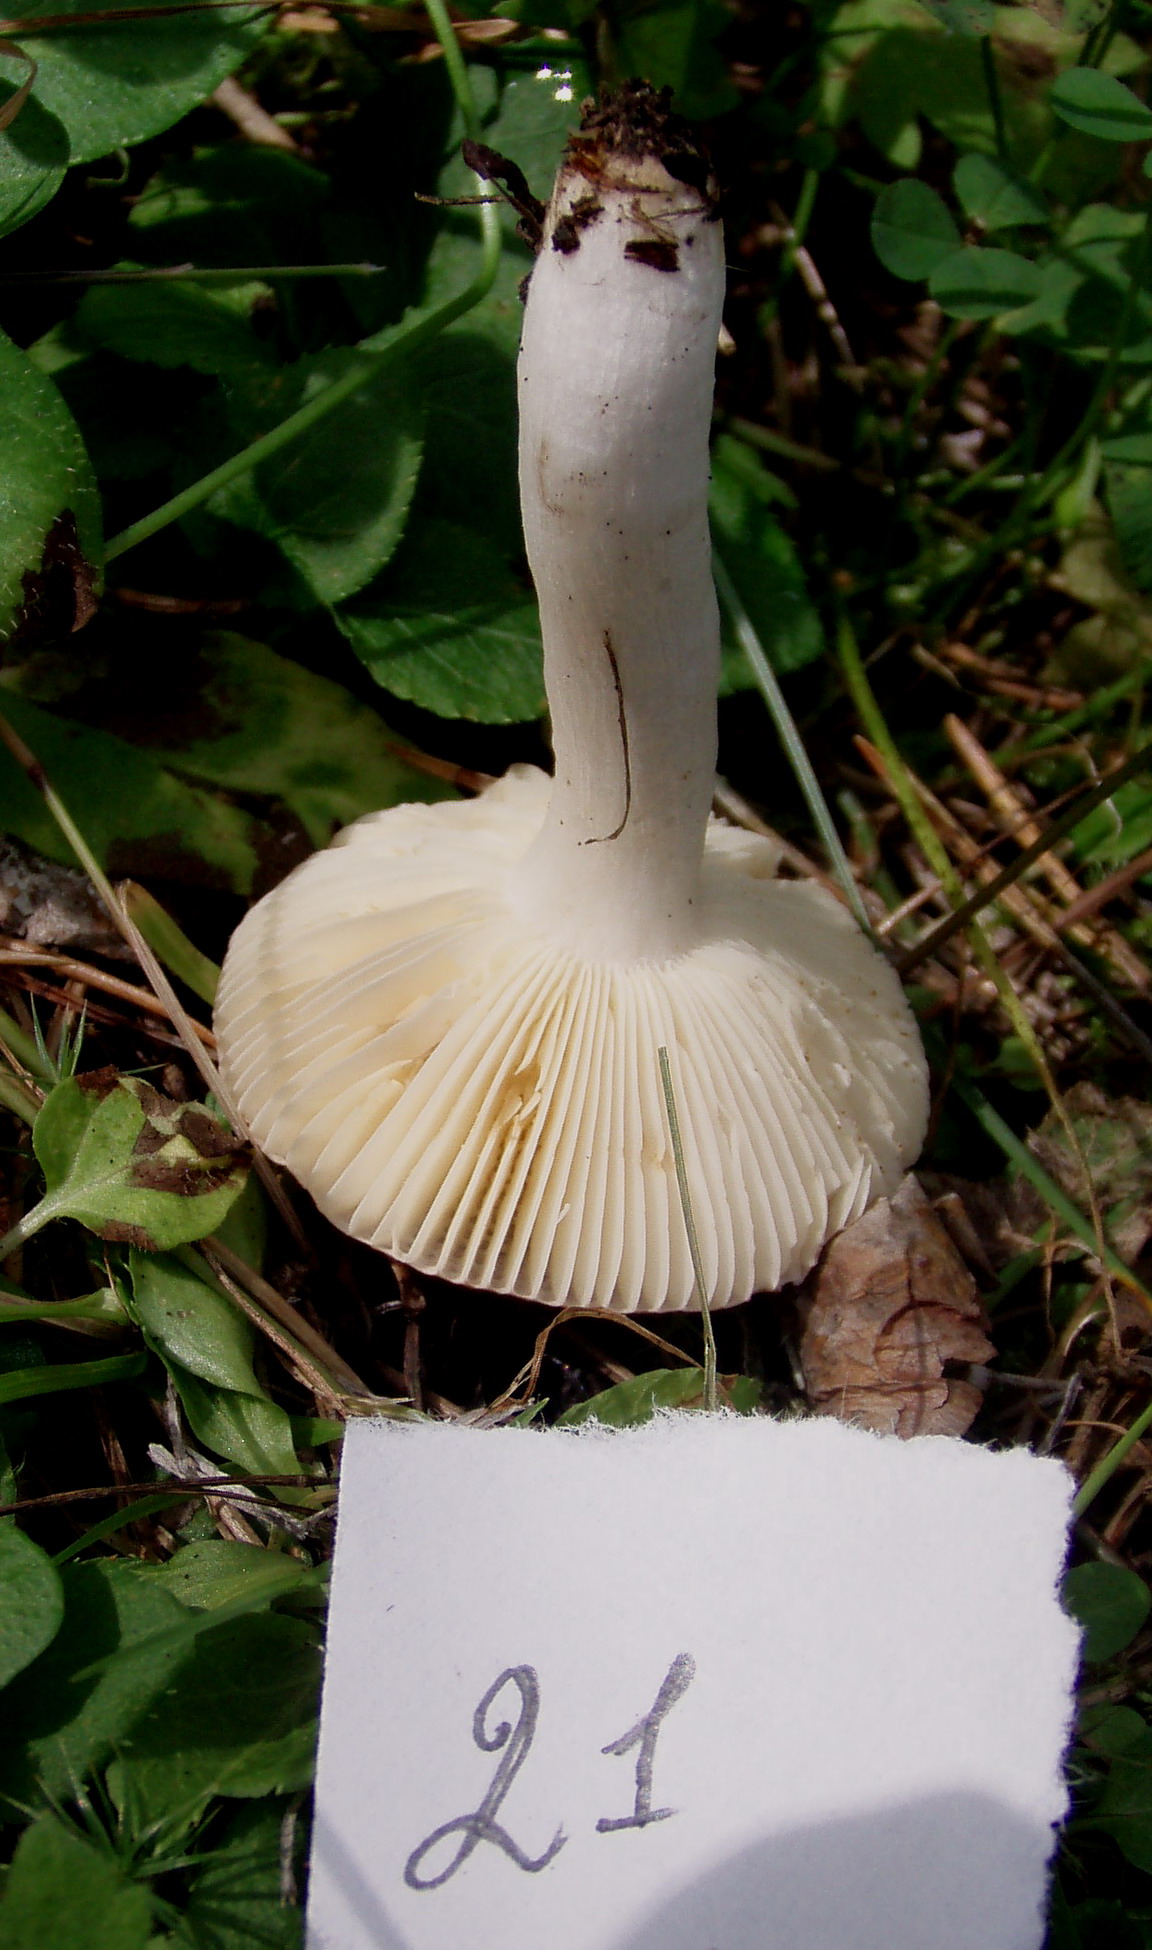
(995, 196)
(673, 46)
(974, 283)
(1115, 1730)
(1130, 506)
(1111, 1604)
(264, 724)
(49, 510)
(530, 117)
(889, 64)
(31, 1601)
(638, 1400)
(963, 16)
(64, 1893)
(450, 628)
(468, 390)
(467, 375)
(1124, 1810)
(335, 502)
(245, 1429)
(238, 715)
(1100, 105)
(245, 1225)
(186, 1320)
(239, 1719)
(1085, 283)
(238, 203)
(205, 327)
(115, 84)
(58, 1726)
(214, 1572)
(33, 158)
(133, 1166)
(206, 1343)
(912, 229)
(763, 563)
(236, 1901)
(133, 814)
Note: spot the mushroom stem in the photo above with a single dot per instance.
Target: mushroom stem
(616, 378)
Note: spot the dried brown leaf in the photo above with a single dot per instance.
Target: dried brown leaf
(889, 1305)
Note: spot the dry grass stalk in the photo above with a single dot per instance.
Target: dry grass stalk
(1011, 814)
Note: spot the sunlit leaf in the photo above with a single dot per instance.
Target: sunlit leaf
(133, 1166)
(187, 1320)
(59, 1726)
(631, 1402)
(214, 1572)
(239, 1720)
(237, 1895)
(246, 1429)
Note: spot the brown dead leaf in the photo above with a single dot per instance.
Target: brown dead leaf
(889, 1304)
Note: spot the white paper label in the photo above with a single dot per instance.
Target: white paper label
(710, 1684)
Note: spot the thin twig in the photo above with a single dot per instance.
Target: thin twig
(965, 911)
(233, 1272)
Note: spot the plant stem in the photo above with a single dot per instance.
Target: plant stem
(711, 1393)
(16, 1098)
(404, 338)
(24, 1048)
(438, 14)
(789, 736)
(1108, 1465)
(995, 99)
(920, 392)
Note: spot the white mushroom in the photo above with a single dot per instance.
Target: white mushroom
(447, 1025)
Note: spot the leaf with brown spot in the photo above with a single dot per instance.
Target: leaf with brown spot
(132, 1165)
(890, 1304)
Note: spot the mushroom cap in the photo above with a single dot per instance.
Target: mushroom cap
(456, 1089)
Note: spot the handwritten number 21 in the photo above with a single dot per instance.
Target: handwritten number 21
(512, 1742)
